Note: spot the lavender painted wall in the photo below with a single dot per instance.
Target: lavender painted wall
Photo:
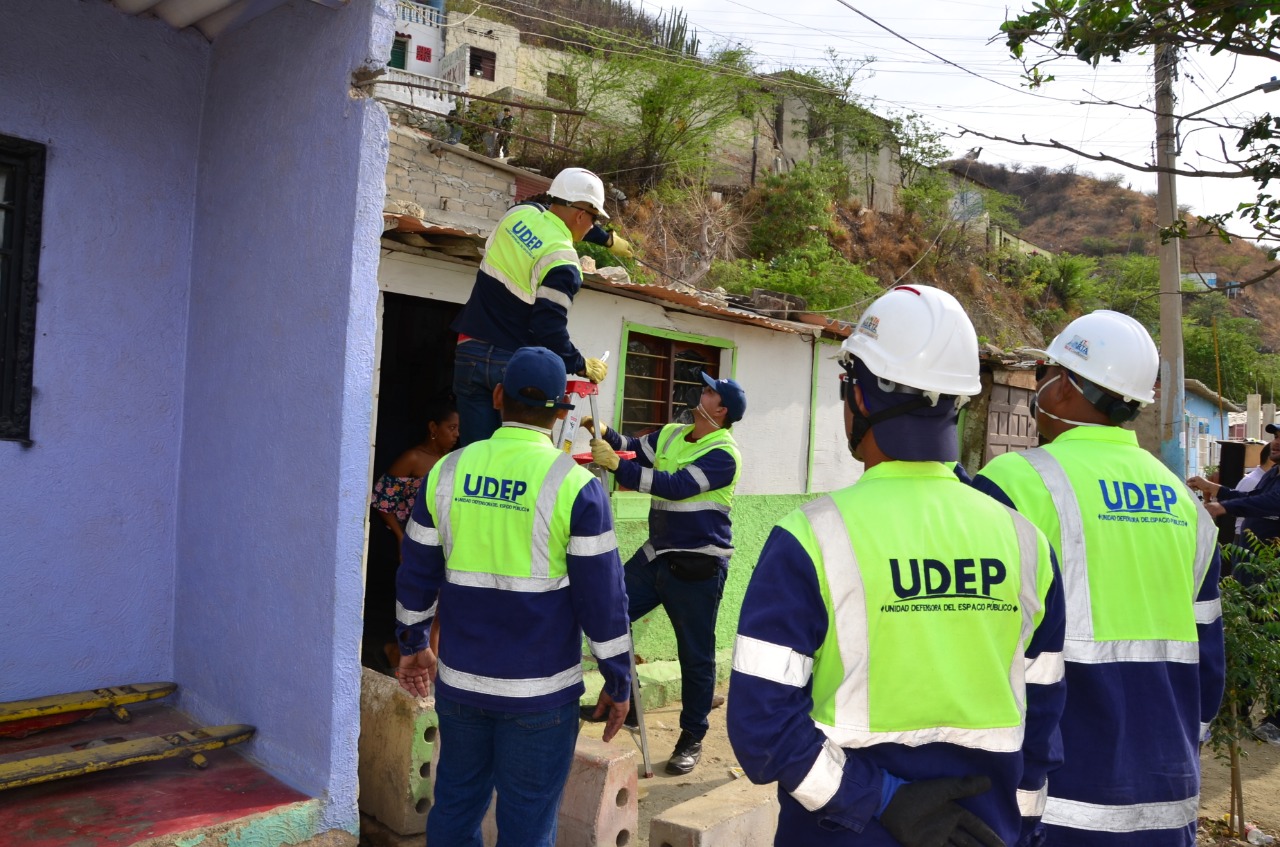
(272, 497)
(87, 533)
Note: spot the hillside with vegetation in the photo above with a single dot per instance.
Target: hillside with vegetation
(653, 105)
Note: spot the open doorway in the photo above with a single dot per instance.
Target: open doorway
(416, 375)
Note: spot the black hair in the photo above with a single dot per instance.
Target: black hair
(439, 411)
(1264, 455)
(515, 411)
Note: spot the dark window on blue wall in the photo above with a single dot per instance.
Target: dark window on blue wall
(21, 202)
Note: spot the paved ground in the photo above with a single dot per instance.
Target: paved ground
(1261, 770)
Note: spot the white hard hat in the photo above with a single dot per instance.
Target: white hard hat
(579, 185)
(1111, 350)
(920, 337)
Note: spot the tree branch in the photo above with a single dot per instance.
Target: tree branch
(1103, 157)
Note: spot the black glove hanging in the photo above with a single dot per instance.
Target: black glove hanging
(923, 814)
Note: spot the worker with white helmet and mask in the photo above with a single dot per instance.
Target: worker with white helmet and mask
(523, 291)
(897, 668)
(1143, 652)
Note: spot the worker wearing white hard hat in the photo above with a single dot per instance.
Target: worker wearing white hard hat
(1144, 650)
(522, 295)
(894, 670)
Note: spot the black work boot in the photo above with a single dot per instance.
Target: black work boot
(685, 756)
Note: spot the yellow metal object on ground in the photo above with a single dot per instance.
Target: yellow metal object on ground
(79, 701)
(93, 756)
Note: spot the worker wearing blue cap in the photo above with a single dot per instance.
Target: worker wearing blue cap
(691, 470)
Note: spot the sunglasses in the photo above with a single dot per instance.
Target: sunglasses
(595, 218)
(1041, 369)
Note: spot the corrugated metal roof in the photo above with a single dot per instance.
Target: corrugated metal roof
(211, 17)
(424, 235)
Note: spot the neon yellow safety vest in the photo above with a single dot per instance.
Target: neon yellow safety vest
(527, 244)
(502, 509)
(1094, 491)
(673, 523)
(933, 592)
(675, 454)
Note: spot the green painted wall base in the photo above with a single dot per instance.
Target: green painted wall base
(753, 518)
(655, 642)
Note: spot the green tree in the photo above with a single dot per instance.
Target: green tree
(1129, 284)
(794, 209)
(653, 114)
(1093, 30)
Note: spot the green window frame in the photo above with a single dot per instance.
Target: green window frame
(660, 370)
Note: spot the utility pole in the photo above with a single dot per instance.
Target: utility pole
(1173, 446)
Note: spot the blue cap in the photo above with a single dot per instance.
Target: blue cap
(537, 368)
(732, 397)
(927, 434)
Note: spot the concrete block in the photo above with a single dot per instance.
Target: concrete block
(737, 814)
(600, 803)
(398, 736)
(599, 807)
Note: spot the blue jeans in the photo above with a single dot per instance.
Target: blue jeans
(526, 757)
(692, 608)
(478, 368)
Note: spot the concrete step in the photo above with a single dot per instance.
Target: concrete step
(737, 814)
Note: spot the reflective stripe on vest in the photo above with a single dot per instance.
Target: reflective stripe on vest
(852, 725)
(527, 244)
(502, 687)
(1138, 817)
(1080, 644)
(676, 454)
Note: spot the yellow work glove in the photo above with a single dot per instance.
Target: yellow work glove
(586, 423)
(620, 246)
(602, 454)
(596, 370)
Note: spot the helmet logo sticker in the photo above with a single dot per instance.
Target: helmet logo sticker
(1079, 346)
(870, 326)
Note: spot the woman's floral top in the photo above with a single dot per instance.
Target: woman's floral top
(395, 495)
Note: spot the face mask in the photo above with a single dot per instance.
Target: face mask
(710, 419)
(1036, 409)
(686, 416)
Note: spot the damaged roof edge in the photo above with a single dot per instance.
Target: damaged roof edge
(399, 224)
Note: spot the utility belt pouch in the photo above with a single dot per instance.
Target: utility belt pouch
(692, 567)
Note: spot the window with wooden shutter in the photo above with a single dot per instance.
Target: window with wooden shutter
(662, 377)
(399, 48)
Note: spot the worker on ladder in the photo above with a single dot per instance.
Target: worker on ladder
(898, 667)
(523, 291)
(1144, 650)
(691, 470)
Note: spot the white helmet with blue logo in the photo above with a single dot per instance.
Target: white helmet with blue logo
(919, 337)
(1111, 350)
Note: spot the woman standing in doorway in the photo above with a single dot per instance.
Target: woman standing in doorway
(393, 497)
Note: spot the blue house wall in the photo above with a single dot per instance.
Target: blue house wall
(193, 502)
